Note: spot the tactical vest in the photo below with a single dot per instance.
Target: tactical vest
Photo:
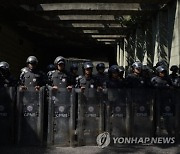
(32, 79)
(175, 79)
(134, 81)
(101, 79)
(115, 83)
(72, 79)
(59, 79)
(160, 82)
(88, 82)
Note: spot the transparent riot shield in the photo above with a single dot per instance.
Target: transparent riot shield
(118, 112)
(7, 104)
(61, 117)
(142, 120)
(177, 113)
(166, 104)
(90, 116)
(30, 108)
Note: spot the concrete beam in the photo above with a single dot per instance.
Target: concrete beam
(108, 36)
(105, 32)
(93, 26)
(91, 8)
(87, 17)
(106, 40)
(109, 30)
(109, 43)
(90, 31)
(82, 25)
(96, 25)
(90, 1)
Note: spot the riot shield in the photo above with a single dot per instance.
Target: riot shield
(142, 121)
(118, 112)
(90, 116)
(30, 108)
(177, 113)
(7, 104)
(166, 112)
(61, 117)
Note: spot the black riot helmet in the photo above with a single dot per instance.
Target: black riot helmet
(32, 60)
(59, 60)
(161, 69)
(162, 63)
(88, 65)
(4, 65)
(113, 69)
(100, 66)
(73, 67)
(174, 68)
(137, 65)
(51, 67)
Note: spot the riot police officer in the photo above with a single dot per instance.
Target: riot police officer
(6, 77)
(175, 79)
(50, 69)
(135, 80)
(147, 74)
(161, 79)
(32, 76)
(59, 77)
(114, 80)
(73, 74)
(101, 77)
(88, 80)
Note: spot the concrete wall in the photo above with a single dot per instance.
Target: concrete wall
(14, 48)
(174, 32)
(156, 39)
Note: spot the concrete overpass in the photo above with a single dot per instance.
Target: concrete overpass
(117, 31)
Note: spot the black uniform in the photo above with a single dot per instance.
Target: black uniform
(161, 82)
(134, 81)
(115, 83)
(32, 78)
(8, 81)
(59, 79)
(175, 80)
(101, 79)
(6, 78)
(72, 78)
(87, 82)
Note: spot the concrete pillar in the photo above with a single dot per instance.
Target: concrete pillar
(174, 32)
(118, 53)
(126, 61)
(149, 45)
(121, 52)
(131, 46)
(160, 38)
(140, 44)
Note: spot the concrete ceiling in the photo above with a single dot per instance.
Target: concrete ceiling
(88, 22)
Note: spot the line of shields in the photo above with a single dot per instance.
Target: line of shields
(75, 118)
